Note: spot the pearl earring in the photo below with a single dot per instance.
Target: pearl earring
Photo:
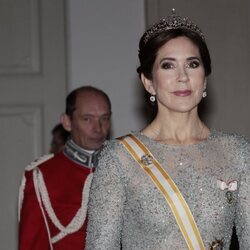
(204, 94)
(152, 98)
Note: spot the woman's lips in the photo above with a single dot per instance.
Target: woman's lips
(182, 93)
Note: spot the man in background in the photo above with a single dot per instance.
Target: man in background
(59, 138)
(54, 192)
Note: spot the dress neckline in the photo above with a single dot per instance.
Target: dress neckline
(197, 144)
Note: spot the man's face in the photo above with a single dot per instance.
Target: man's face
(90, 123)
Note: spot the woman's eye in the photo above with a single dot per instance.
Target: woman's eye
(167, 65)
(193, 64)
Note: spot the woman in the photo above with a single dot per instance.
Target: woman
(176, 184)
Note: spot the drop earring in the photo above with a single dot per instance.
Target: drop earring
(152, 98)
(204, 94)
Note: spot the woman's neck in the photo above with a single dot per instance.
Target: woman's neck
(177, 128)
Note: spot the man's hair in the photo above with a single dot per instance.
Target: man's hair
(71, 98)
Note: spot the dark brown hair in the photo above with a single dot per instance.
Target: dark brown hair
(148, 51)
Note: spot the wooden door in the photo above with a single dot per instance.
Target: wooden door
(33, 88)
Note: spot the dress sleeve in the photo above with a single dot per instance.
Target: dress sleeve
(243, 206)
(32, 229)
(106, 203)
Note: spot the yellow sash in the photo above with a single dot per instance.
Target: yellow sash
(170, 191)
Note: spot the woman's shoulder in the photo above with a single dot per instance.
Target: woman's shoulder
(115, 143)
(114, 158)
(230, 137)
(113, 147)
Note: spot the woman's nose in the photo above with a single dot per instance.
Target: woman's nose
(182, 75)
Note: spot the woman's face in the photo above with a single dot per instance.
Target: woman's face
(178, 76)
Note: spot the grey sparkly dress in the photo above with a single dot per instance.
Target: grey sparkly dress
(127, 209)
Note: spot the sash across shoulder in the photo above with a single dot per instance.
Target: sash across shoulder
(168, 188)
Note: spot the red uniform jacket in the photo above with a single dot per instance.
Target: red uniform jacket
(64, 180)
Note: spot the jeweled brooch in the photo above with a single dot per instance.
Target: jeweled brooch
(147, 159)
(229, 187)
(216, 245)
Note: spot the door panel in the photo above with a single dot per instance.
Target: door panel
(33, 89)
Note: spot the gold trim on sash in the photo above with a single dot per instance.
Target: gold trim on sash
(168, 188)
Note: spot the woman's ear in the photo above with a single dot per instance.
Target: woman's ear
(66, 122)
(148, 84)
(205, 83)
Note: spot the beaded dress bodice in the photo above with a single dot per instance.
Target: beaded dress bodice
(125, 205)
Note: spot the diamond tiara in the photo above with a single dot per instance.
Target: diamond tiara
(172, 22)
